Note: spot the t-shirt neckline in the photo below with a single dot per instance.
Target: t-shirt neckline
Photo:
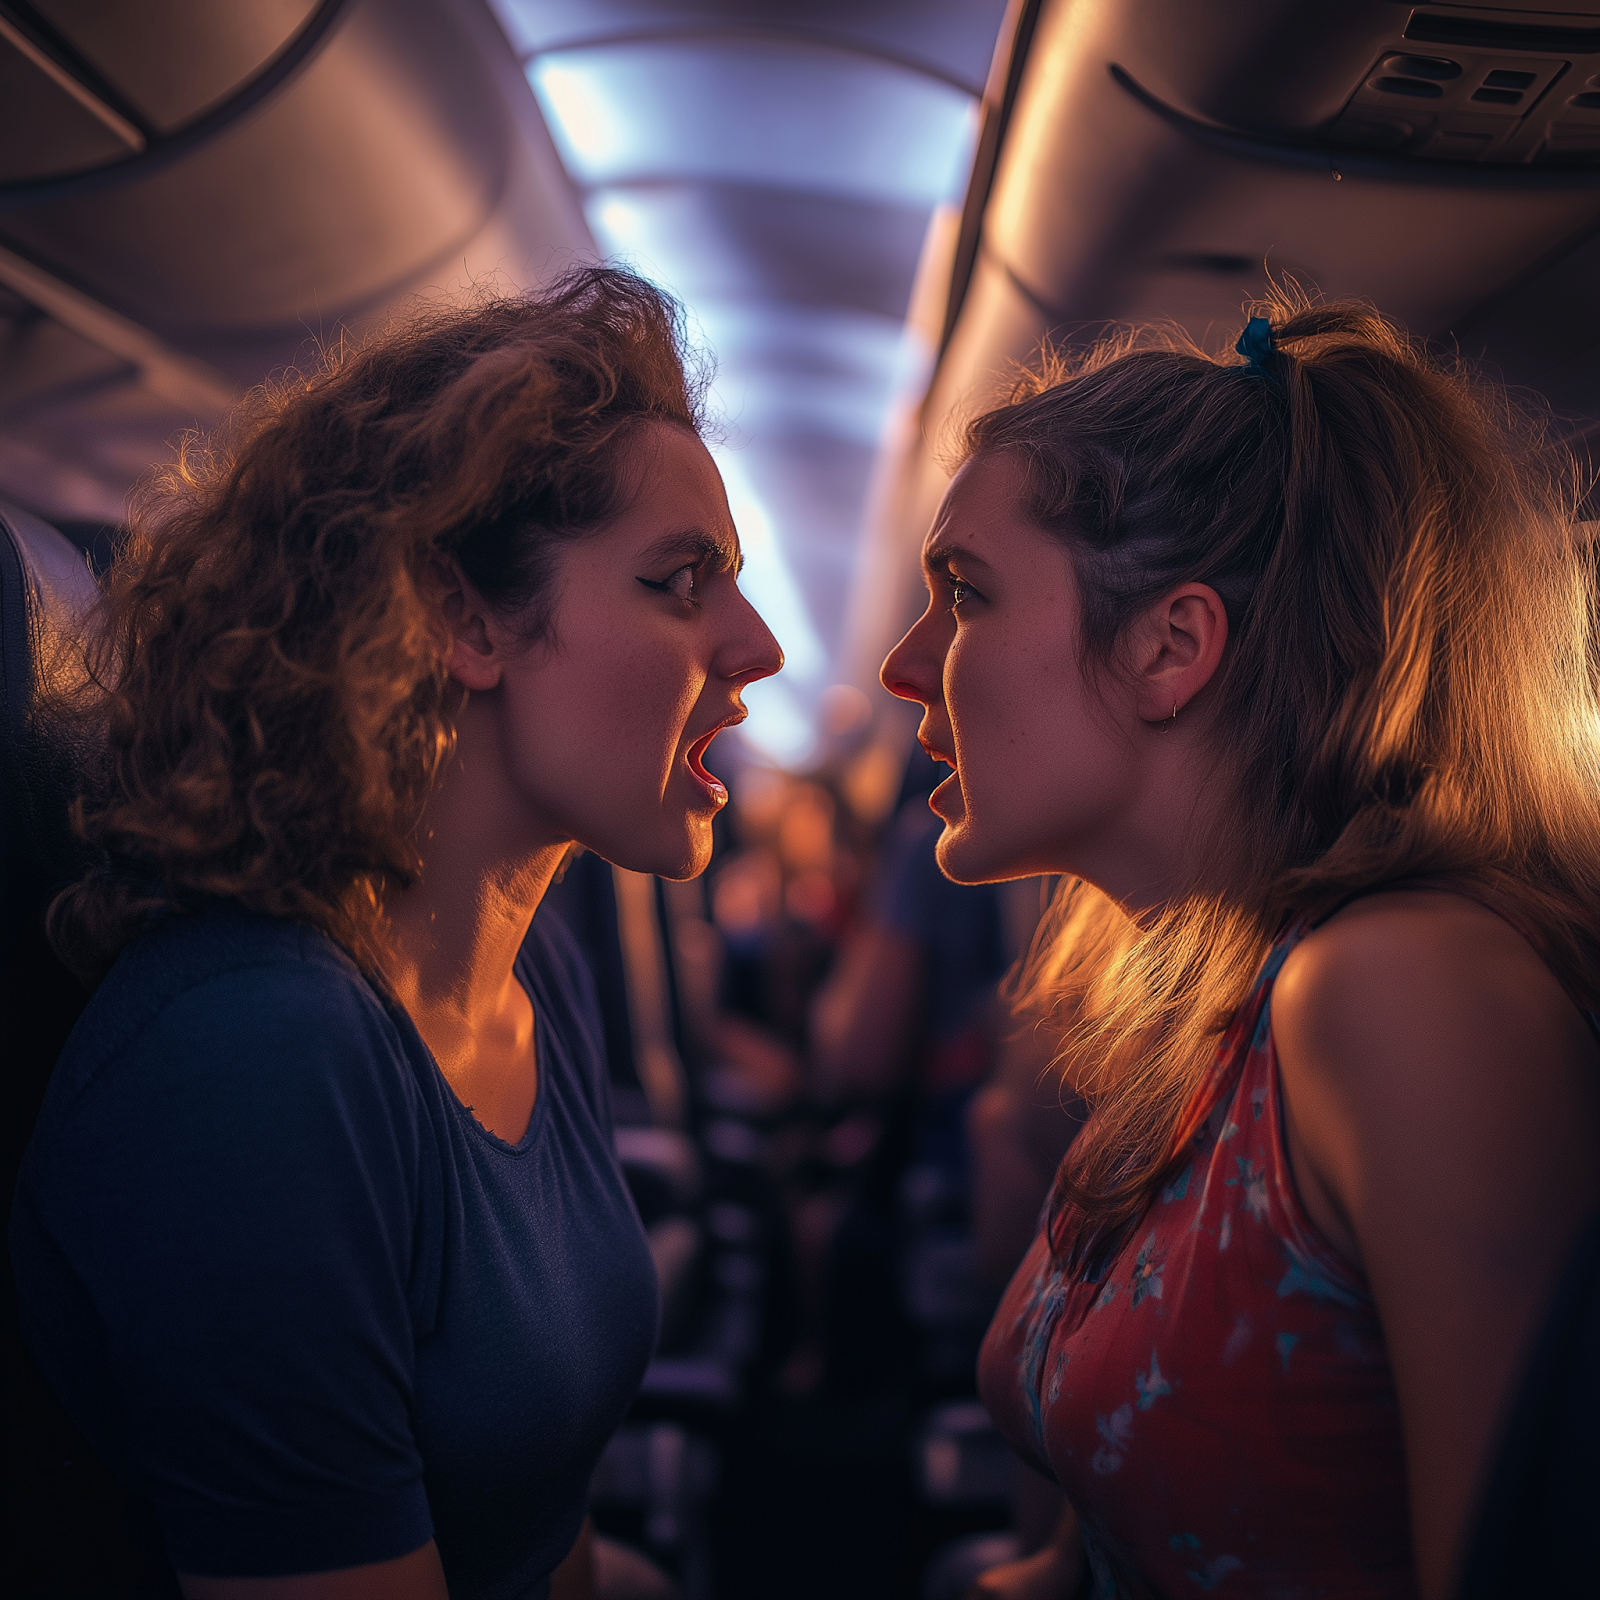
(542, 1057)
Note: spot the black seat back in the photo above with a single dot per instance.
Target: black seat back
(46, 588)
(1534, 1533)
(69, 1531)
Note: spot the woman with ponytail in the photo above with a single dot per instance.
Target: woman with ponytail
(1286, 665)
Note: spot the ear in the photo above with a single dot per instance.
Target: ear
(468, 631)
(1178, 647)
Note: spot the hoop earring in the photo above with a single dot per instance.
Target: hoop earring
(1174, 717)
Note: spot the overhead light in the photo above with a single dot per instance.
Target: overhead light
(748, 111)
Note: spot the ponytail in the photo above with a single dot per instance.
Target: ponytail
(1407, 690)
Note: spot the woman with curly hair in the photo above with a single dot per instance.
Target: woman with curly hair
(1286, 665)
(321, 1239)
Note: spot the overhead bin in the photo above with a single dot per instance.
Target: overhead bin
(1159, 159)
(292, 168)
(141, 73)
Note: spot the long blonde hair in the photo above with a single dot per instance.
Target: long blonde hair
(1408, 690)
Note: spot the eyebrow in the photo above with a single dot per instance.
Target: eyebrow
(939, 556)
(698, 542)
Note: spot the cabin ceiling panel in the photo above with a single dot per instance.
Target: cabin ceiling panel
(1000, 327)
(79, 445)
(777, 167)
(45, 367)
(1132, 189)
(775, 362)
(403, 154)
(743, 240)
(1273, 66)
(828, 476)
(1544, 331)
(781, 114)
(60, 479)
(384, 155)
(953, 39)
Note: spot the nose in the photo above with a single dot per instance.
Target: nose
(751, 651)
(913, 670)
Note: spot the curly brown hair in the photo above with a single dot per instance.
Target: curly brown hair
(266, 657)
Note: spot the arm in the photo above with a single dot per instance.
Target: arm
(1442, 1100)
(574, 1579)
(417, 1576)
(238, 1202)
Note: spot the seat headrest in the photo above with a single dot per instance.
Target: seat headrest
(46, 587)
(46, 592)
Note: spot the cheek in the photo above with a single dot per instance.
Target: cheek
(625, 701)
(1009, 704)
(596, 725)
(1035, 761)
(639, 691)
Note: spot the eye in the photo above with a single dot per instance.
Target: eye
(681, 585)
(959, 591)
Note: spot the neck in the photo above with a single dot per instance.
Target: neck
(1177, 838)
(456, 933)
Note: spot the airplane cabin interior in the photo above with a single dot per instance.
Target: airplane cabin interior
(873, 214)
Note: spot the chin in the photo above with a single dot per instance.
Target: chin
(689, 863)
(963, 858)
(966, 856)
(675, 853)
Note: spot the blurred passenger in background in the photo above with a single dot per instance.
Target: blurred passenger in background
(909, 1000)
(779, 899)
(321, 1238)
(903, 1033)
(1288, 664)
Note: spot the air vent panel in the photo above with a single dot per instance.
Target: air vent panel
(1489, 99)
(1417, 88)
(1423, 67)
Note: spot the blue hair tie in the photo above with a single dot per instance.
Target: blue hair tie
(1256, 346)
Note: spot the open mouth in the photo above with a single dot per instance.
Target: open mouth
(696, 758)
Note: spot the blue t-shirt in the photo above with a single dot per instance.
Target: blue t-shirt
(303, 1303)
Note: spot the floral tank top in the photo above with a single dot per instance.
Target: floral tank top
(1216, 1399)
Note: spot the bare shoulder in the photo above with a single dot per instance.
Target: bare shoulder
(1442, 1115)
(1425, 1048)
(1433, 976)
(1414, 936)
